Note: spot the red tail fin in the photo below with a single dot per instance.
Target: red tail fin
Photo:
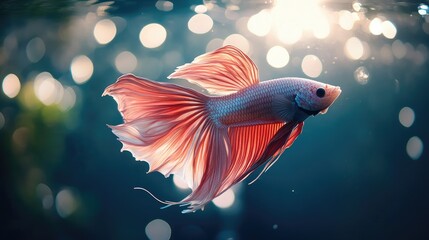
(168, 126)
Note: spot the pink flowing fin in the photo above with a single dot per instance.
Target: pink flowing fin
(252, 146)
(223, 71)
(283, 139)
(168, 126)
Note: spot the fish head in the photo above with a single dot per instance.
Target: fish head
(316, 97)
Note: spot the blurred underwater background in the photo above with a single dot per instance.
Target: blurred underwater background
(361, 171)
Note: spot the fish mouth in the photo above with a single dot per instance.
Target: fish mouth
(335, 92)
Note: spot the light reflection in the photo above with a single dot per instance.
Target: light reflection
(277, 57)
(81, 69)
(292, 18)
(406, 117)
(225, 200)
(35, 49)
(104, 31)
(125, 62)
(158, 229)
(354, 48)
(238, 41)
(200, 23)
(414, 147)
(312, 66)
(11, 85)
(66, 203)
(153, 35)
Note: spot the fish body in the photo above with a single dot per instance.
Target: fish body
(214, 141)
(262, 103)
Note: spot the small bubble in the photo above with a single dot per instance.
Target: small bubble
(357, 6)
(361, 75)
(423, 9)
(293, 190)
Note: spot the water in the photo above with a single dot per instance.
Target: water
(357, 172)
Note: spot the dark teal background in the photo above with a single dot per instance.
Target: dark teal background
(348, 175)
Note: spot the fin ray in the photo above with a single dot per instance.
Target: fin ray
(223, 71)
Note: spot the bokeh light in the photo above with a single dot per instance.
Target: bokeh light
(361, 75)
(260, 23)
(35, 49)
(239, 41)
(200, 9)
(225, 200)
(81, 69)
(321, 29)
(389, 30)
(414, 147)
(125, 62)
(68, 100)
(153, 35)
(277, 57)
(214, 44)
(47, 89)
(45, 194)
(354, 48)
(376, 26)
(312, 66)
(292, 18)
(399, 50)
(104, 31)
(158, 229)
(289, 34)
(346, 20)
(11, 85)
(179, 182)
(200, 23)
(165, 6)
(66, 203)
(406, 116)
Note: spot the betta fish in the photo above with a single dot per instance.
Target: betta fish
(214, 140)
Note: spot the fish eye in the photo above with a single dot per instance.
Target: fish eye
(320, 92)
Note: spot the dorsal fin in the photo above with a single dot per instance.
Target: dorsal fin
(223, 71)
